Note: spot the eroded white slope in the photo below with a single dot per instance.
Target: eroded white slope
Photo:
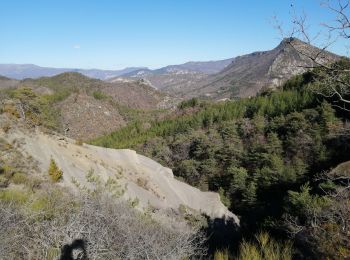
(134, 176)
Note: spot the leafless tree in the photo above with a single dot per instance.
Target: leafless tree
(332, 80)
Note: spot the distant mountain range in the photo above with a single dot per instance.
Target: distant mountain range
(206, 67)
(22, 71)
(175, 76)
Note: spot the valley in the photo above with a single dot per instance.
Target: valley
(244, 157)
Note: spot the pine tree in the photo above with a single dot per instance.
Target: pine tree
(55, 172)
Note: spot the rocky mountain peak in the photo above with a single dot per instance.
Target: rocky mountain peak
(248, 74)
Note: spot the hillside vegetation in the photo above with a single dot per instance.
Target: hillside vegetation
(87, 107)
(52, 223)
(270, 157)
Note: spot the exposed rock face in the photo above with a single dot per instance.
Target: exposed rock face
(124, 173)
(250, 73)
(341, 171)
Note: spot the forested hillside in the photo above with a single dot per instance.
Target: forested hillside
(270, 157)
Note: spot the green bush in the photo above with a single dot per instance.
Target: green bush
(304, 203)
(14, 196)
(99, 95)
(54, 172)
(193, 102)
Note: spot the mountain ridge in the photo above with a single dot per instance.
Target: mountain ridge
(22, 71)
(248, 74)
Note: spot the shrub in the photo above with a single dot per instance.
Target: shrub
(221, 255)
(11, 110)
(50, 203)
(304, 203)
(99, 95)
(3, 181)
(224, 199)
(13, 196)
(134, 202)
(19, 178)
(189, 103)
(33, 183)
(54, 172)
(263, 248)
(7, 170)
(143, 183)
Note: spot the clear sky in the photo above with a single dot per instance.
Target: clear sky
(112, 34)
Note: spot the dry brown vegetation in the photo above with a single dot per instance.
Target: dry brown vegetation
(41, 227)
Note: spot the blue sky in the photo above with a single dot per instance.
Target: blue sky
(112, 34)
